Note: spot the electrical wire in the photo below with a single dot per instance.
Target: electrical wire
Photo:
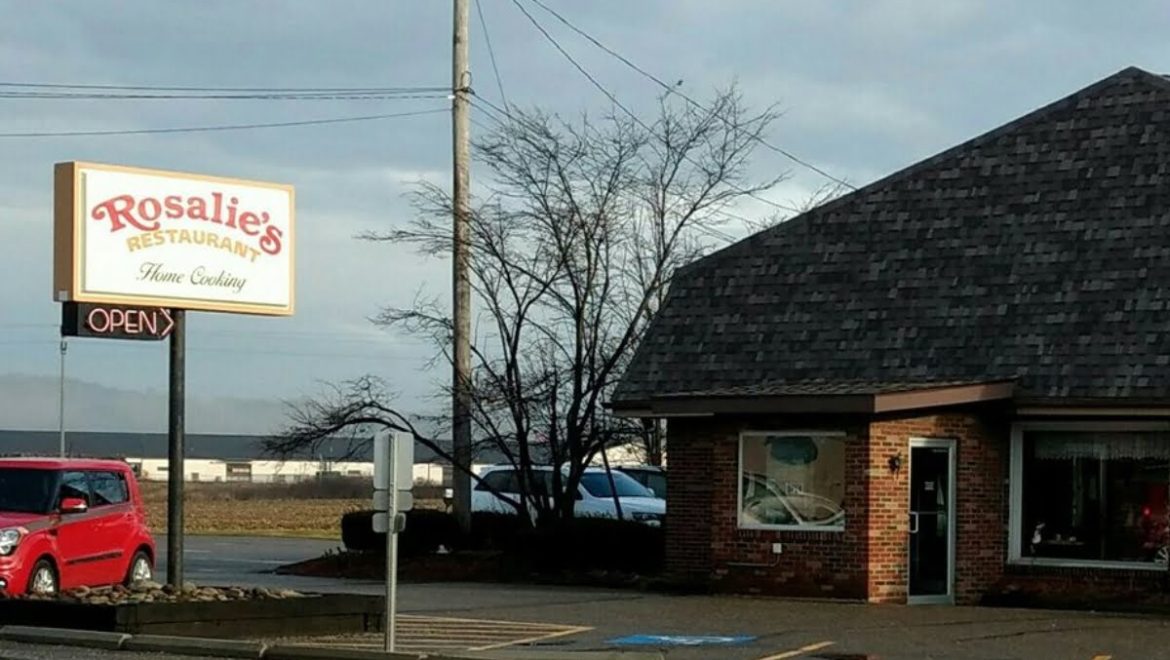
(619, 104)
(487, 37)
(158, 88)
(225, 127)
(493, 112)
(673, 89)
(125, 96)
(567, 56)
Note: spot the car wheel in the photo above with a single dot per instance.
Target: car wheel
(140, 569)
(43, 580)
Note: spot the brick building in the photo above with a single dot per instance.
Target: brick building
(954, 379)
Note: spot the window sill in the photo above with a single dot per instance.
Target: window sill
(836, 529)
(1089, 564)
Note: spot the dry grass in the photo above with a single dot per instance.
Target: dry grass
(211, 509)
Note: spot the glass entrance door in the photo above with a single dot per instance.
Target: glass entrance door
(931, 520)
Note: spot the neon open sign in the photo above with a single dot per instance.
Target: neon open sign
(116, 321)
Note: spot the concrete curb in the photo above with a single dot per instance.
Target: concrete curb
(290, 652)
(216, 648)
(527, 653)
(64, 637)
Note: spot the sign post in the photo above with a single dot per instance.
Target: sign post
(133, 249)
(176, 418)
(393, 479)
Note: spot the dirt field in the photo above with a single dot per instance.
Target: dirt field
(252, 509)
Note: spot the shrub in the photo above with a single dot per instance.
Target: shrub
(588, 544)
(426, 530)
(581, 544)
(357, 532)
(493, 531)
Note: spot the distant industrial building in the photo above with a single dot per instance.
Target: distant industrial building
(240, 458)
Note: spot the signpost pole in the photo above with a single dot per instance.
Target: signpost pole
(392, 545)
(175, 471)
(61, 399)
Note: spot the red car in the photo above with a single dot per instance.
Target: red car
(66, 523)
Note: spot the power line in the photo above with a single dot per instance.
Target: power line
(633, 116)
(490, 110)
(229, 350)
(158, 88)
(487, 37)
(567, 56)
(227, 127)
(123, 96)
(674, 90)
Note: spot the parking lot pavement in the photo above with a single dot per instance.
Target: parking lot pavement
(687, 627)
(692, 627)
(776, 629)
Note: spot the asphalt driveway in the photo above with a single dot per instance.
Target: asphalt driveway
(686, 627)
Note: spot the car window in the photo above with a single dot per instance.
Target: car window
(508, 481)
(503, 481)
(597, 483)
(75, 485)
(27, 491)
(108, 488)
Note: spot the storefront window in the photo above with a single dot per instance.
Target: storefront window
(1095, 495)
(792, 481)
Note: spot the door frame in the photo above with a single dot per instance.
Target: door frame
(952, 447)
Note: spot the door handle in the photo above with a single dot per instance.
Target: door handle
(913, 522)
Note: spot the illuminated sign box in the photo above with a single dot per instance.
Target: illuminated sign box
(152, 238)
(115, 321)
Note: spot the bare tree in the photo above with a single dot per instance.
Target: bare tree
(572, 254)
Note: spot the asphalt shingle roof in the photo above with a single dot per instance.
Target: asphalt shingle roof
(1039, 251)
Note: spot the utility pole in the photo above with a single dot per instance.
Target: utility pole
(461, 198)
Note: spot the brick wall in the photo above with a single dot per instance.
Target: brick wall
(689, 507)
(824, 564)
(981, 506)
(868, 560)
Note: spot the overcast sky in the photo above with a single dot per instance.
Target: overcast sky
(866, 88)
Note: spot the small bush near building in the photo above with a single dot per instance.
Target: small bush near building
(592, 544)
(426, 530)
(581, 544)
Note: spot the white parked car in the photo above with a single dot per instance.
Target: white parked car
(594, 494)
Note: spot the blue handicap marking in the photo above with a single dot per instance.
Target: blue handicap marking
(682, 640)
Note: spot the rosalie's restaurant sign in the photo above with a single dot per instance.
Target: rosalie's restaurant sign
(167, 239)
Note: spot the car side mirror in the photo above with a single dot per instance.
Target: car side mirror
(73, 505)
(653, 492)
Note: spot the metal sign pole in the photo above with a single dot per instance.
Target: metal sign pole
(61, 399)
(392, 547)
(175, 470)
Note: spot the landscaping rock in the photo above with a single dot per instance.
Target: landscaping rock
(153, 592)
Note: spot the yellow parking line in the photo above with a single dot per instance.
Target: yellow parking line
(532, 640)
(801, 651)
(1102, 657)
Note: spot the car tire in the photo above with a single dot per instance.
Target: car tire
(134, 571)
(43, 579)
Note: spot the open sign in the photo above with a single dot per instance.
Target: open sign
(116, 321)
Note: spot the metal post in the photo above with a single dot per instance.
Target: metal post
(61, 399)
(175, 471)
(392, 548)
(461, 197)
